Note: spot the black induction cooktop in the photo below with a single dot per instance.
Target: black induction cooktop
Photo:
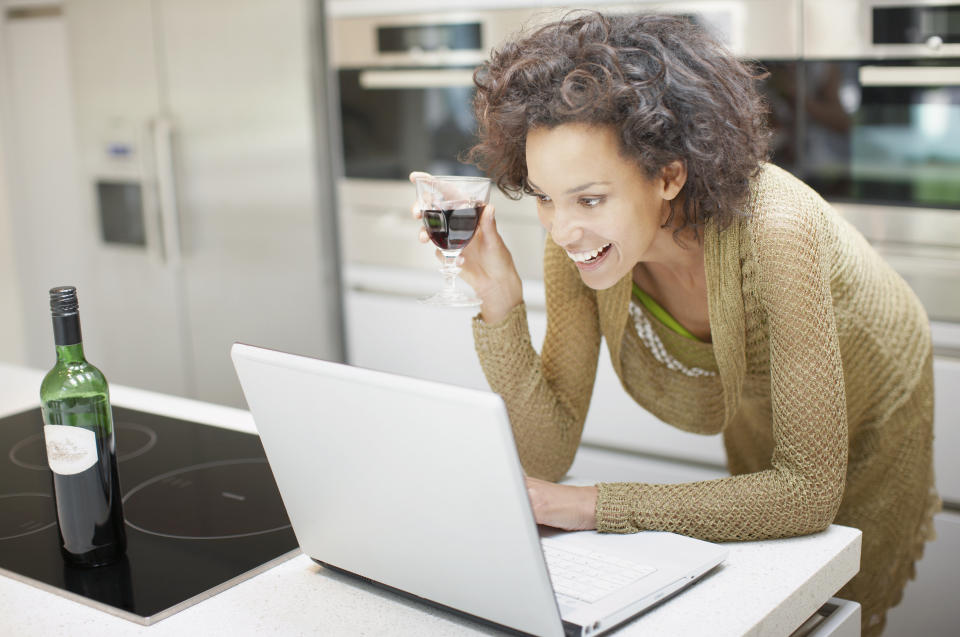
(201, 507)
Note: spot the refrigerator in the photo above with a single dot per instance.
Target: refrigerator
(204, 208)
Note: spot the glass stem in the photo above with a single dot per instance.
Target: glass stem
(450, 270)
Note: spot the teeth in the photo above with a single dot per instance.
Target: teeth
(581, 257)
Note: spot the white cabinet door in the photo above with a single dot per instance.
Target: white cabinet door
(929, 605)
(600, 465)
(395, 333)
(399, 335)
(946, 421)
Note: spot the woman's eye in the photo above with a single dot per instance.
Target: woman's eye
(541, 198)
(590, 202)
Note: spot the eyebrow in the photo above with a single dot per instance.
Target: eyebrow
(575, 188)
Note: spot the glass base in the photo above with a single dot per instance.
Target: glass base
(445, 298)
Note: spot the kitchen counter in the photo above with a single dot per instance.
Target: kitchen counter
(763, 588)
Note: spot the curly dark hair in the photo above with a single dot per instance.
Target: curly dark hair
(671, 90)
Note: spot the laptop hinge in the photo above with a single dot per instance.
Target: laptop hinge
(572, 630)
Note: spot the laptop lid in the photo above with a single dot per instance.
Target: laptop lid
(410, 483)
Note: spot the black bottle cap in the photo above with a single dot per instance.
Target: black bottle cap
(63, 301)
(66, 315)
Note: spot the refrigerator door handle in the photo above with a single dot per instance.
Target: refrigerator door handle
(167, 189)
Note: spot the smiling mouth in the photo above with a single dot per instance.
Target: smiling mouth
(590, 256)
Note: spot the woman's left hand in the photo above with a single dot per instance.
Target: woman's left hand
(563, 506)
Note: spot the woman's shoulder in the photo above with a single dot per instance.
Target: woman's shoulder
(774, 190)
(781, 206)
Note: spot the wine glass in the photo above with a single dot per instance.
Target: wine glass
(451, 207)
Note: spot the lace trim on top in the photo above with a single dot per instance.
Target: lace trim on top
(652, 341)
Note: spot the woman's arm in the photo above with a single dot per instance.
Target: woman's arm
(801, 492)
(547, 395)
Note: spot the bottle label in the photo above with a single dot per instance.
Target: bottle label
(70, 450)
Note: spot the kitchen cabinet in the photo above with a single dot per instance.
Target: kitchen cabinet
(946, 419)
(929, 605)
(607, 465)
(39, 184)
(388, 329)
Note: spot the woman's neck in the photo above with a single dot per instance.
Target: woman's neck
(680, 264)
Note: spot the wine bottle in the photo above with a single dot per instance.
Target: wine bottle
(81, 445)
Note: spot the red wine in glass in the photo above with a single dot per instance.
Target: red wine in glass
(452, 229)
(451, 207)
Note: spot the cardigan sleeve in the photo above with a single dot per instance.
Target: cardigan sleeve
(801, 491)
(547, 395)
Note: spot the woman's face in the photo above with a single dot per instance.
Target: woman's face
(598, 206)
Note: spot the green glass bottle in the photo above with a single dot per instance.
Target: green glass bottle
(81, 445)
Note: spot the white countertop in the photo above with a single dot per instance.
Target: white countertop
(764, 588)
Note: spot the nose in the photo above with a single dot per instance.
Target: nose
(563, 226)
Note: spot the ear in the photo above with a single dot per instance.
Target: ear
(672, 178)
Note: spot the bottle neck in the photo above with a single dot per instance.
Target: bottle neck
(70, 353)
(68, 339)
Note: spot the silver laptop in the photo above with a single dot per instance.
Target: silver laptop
(416, 485)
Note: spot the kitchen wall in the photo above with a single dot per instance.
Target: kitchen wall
(11, 325)
(42, 221)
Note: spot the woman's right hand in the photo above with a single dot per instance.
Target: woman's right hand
(486, 265)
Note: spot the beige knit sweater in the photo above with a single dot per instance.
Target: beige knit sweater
(819, 377)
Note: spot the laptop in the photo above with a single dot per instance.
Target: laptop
(417, 486)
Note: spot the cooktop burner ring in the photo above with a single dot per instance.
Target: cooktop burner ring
(147, 446)
(170, 480)
(19, 446)
(48, 508)
(121, 457)
(160, 575)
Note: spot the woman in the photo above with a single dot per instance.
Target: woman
(733, 300)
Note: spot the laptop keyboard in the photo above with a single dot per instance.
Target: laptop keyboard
(589, 576)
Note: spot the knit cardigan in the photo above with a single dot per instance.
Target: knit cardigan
(818, 376)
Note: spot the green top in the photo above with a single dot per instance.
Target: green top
(661, 314)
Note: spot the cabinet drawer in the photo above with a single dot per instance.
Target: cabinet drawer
(837, 618)
(602, 465)
(397, 334)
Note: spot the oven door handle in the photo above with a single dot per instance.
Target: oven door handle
(416, 79)
(875, 75)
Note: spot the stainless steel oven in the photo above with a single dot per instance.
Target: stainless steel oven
(874, 108)
(406, 91)
(406, 94)
(880, 107)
